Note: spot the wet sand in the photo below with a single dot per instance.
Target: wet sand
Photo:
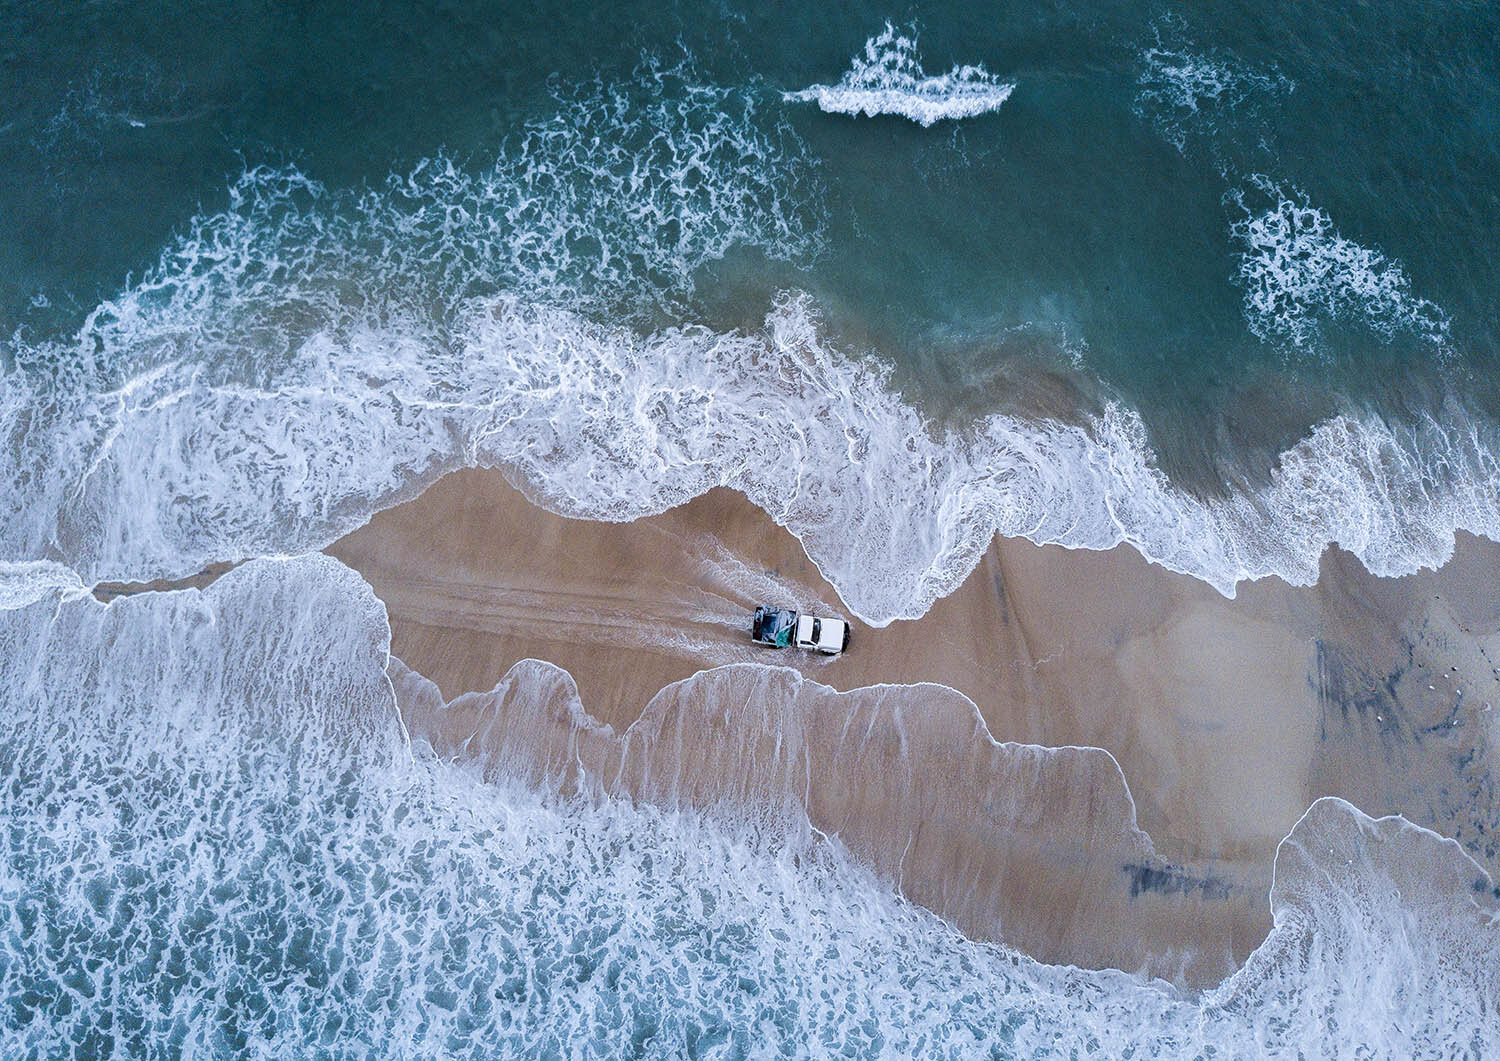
(1226, 718)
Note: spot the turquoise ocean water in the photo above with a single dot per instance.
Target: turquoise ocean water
(1216, 280)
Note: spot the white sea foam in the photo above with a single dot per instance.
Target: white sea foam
(1363, 902)
(218, 839)
(29, 581)
(889, 79)
(1185, 91)
(218, 842)
(302, 359)
(610, 205)
(1300, 273)
(175, 469)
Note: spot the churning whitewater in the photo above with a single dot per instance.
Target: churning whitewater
(237, 849)
(304, 358)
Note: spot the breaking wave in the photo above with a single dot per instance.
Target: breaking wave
(889, 79)
(220, 840)
(176, 468)
(1300, 274)
(610, 204)
(304, 358)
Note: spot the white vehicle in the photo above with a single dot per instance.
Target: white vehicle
(829, 636)
(780, 627)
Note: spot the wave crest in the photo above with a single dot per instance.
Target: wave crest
(608, 205)
(304, 358)
(889, 79)
(175, 470)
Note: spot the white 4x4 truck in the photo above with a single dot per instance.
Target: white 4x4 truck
(780, 627)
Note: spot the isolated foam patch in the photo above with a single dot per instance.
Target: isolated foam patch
(889, 79)
(1299, 273)
(1187, 92)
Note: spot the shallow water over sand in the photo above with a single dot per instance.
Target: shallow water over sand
(293, 872)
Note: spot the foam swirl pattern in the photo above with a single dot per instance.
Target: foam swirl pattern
(1186, 93)
(221, 835)
(305, 357)
(219, 841)
(177, 468)
(1300, 274)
